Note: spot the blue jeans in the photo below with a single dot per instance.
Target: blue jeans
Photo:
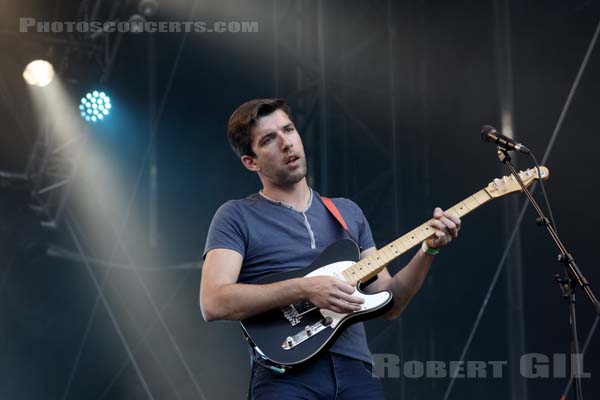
(330, 377)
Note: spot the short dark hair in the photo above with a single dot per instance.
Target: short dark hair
(243, 119)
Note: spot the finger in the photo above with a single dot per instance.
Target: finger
(453, 217)
(451, 229)
(448, 224)
(341, 307)
(350, 299)
(456, 222)
(345, 306)
(345, 287)
(334, 308)
(437, 212)
(440, 233)
(437, 224)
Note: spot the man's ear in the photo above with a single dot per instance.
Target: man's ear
(250, 163)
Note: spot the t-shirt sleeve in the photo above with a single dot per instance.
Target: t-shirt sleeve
(364, 237)
(227, 230)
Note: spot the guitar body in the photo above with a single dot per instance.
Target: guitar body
(294, 334)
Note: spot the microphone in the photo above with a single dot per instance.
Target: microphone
(490, 134)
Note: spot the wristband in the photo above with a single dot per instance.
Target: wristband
(428, 250)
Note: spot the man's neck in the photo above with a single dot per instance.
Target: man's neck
(296, 195)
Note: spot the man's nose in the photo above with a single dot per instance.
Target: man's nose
(286, 143)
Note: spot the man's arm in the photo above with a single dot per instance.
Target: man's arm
(222, 298)
(407, 282)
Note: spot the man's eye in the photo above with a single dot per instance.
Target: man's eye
(289, 129)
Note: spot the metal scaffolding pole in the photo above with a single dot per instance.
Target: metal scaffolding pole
(152, 156)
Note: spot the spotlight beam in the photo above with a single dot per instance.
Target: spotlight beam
(145, 336)
(134, 348)
(107, 306)
(156, 310)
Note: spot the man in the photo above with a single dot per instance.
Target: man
(286, 225)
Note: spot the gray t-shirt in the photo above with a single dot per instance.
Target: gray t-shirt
(272, 237)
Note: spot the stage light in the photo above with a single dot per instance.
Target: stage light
(148, 7)
(95, 106)
(38, 73)
(137, 21)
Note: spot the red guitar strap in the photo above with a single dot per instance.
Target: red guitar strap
(337, 215)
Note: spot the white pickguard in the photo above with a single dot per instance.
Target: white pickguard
(372, 301)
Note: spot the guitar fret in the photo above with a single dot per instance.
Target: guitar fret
(410, 238)
(424, 232)
(463, 208)
(419, 232)
(384, 254)
(388, 253)
(410, 243)
(371, 264)
(346, 275)
(481, 197)
(471, 203)
(361, 269)
(367, 266)
(393, 250)
(379, 258)
(405, 243)
(454, 211)
(400, 244)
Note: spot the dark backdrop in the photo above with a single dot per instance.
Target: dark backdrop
(389, 97)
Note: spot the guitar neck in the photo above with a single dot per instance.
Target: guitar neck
(370, 266)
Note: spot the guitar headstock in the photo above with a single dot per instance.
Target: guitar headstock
(508, 184)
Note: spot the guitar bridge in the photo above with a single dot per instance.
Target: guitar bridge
(294, 312)
(309, 331)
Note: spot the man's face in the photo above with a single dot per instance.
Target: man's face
(278, 149)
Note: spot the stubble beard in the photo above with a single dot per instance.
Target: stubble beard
(285, 177)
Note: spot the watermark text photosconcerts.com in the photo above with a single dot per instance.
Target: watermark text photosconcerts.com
(530, 365)
(33, 25)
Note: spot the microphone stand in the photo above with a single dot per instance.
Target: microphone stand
(573, 276)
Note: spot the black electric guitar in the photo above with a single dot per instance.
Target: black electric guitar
(294, 334)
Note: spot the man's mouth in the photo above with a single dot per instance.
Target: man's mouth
(291, 159)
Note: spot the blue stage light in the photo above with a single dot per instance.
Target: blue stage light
(95, 106)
